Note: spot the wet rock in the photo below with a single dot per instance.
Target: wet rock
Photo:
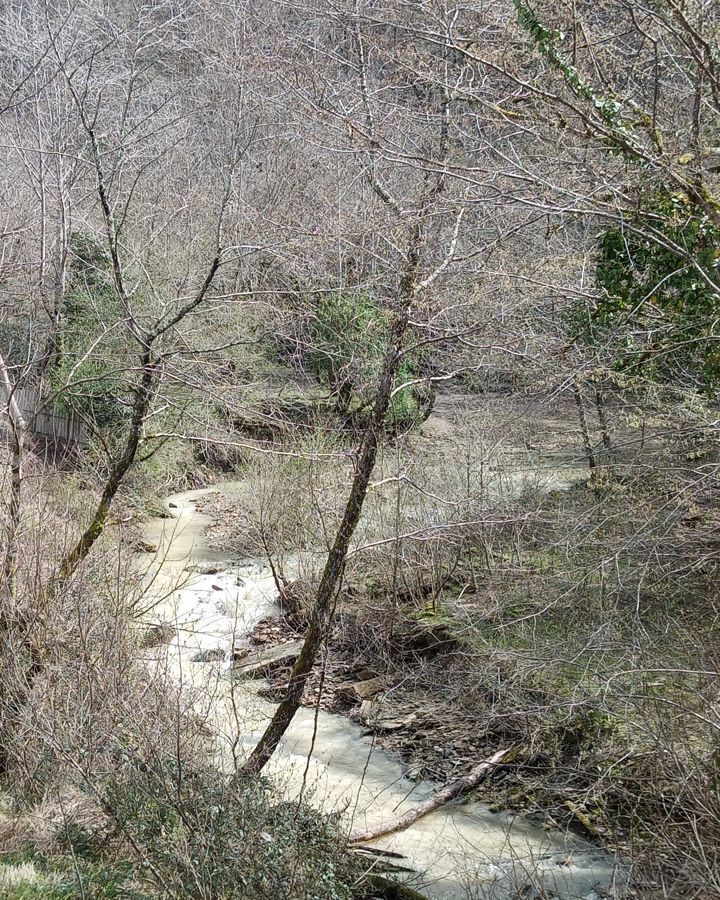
(259, 663)
(274, 694)
(216, 587)
(172, 505)
(209, 569)
(141, 546)
(214, 654)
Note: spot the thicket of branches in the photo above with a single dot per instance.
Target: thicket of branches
(270, 235)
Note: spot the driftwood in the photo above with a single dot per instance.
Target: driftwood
(435, 801)
(257, 663)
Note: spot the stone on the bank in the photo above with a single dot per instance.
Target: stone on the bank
(362, 690)
(157, 634)
(386, 726)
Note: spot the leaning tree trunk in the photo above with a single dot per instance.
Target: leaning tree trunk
(141, 403)
(332, 573)
(408, 289)
(17, 432)
(449, 792)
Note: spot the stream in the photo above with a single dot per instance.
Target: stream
(459, 851)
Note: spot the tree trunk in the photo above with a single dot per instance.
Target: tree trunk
(17, 431)
(143, 398)
(344, 397)
(435, 801)
(604, 426)
(584, 430)
(334, 565)
(408, 289)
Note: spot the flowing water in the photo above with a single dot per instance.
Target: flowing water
(460, 850)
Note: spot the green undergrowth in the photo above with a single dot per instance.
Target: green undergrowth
(63, 876)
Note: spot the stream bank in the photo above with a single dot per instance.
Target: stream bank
(211, 601)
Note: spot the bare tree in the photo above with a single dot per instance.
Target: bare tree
(412, 285)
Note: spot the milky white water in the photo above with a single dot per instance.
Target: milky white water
(461, 850)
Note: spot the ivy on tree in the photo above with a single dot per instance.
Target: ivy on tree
(658, 307)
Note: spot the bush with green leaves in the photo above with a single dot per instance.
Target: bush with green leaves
(348, 341)
(65, 875)
(658, 307)
(91, 367)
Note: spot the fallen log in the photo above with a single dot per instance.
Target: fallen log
(258, 663)
(435, 801)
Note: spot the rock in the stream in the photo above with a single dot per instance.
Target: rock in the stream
(258, 663)
(273, 694)
(214, 654)
(157, 634)
(141, 546)
(211, 569)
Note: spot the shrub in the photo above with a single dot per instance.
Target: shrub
(90, 369)
(202, 837)
(658, 308)
(348, 340)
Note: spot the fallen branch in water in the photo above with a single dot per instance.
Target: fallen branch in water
(435, 801)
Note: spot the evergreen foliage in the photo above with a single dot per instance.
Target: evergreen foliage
(658, 307)
(91, 362)
(349, 338)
